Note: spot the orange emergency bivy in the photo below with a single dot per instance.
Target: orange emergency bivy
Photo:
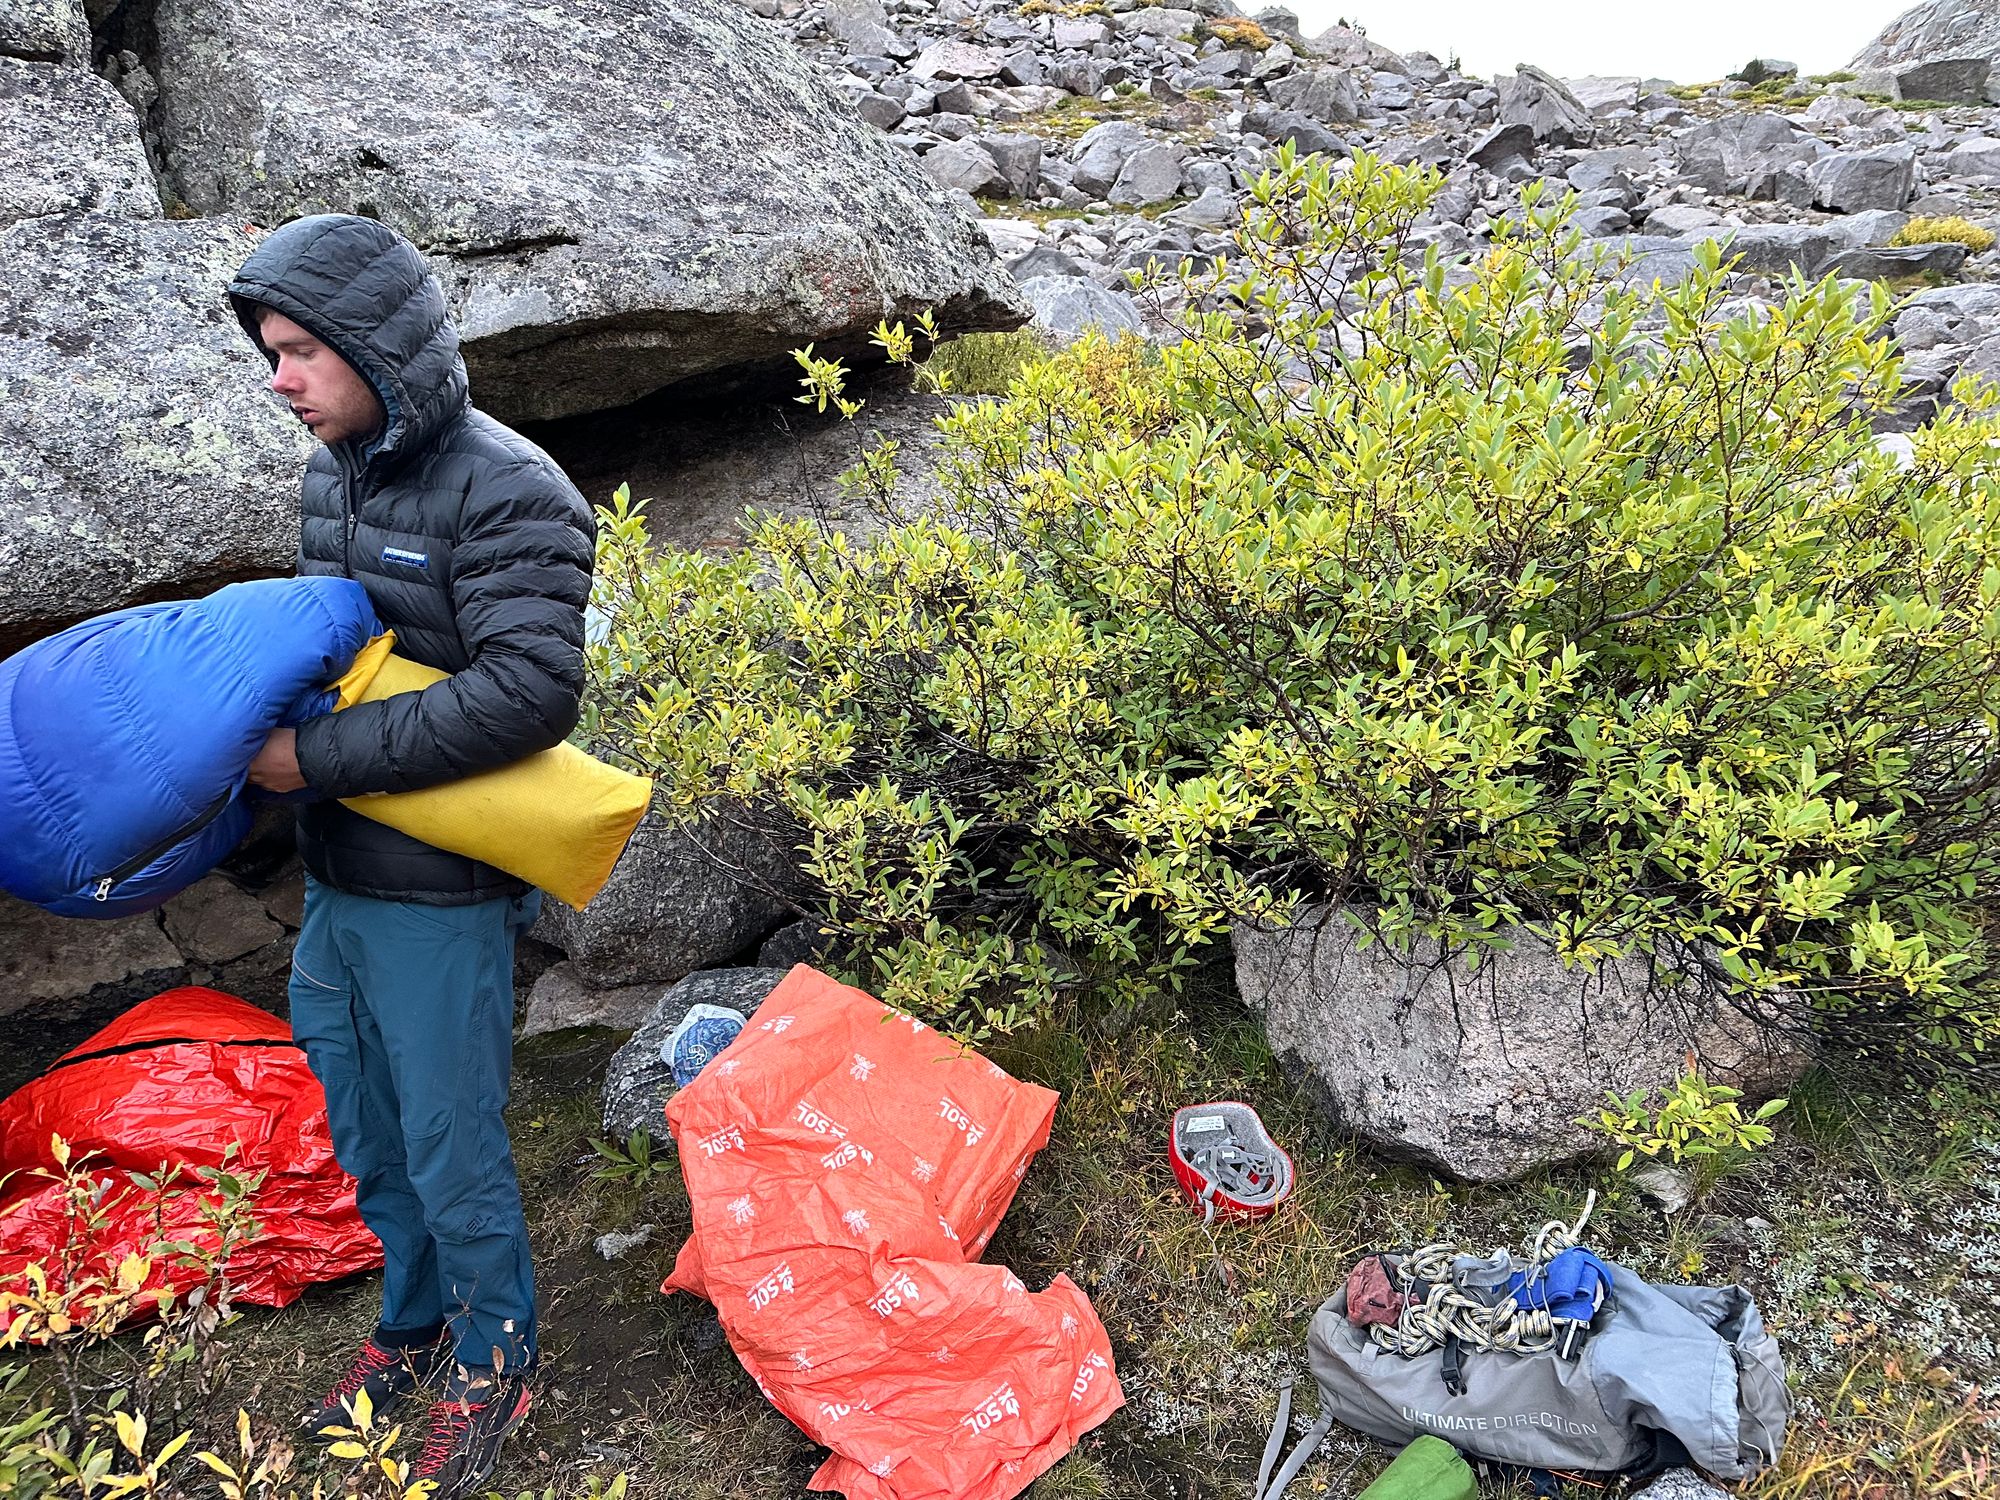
(190, 1078)
(846, 1164)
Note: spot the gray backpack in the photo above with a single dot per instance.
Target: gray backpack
(1693, 1364)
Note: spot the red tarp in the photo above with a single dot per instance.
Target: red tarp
(176, 1080)
(846, 1164)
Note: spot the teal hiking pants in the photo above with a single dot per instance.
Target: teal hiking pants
(406, 1014)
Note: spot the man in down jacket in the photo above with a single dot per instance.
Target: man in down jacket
(476, 552)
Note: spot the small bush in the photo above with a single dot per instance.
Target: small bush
(1754, 72)
(1239, 31)
(985, 364)
(1950, 229)
(1695, 1120)
(1511, 596)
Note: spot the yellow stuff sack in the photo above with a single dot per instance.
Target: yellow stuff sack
(558, 820)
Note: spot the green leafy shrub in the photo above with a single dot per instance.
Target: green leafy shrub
(1947, 229)
(1694, 1119)
(1467, 599)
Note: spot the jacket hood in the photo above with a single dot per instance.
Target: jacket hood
(364, 291)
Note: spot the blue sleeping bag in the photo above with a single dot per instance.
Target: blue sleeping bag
(124, 741)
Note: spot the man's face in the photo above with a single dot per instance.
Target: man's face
(322, 389)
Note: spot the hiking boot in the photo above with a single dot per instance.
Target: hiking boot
(468, 1425)
(387, 1375)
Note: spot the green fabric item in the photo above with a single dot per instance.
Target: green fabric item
(1429, 1469)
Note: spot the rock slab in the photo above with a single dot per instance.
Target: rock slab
(619, 194)
(562, 998)
(1934, 31)
(68, 142)
(1482, 1073)
(45, 958)
(140, 455)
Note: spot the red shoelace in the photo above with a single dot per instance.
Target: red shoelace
(449, 1423)
(372, 1360)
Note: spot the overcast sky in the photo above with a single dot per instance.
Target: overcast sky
(1693, 41)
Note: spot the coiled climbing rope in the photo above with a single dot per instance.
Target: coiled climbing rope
(1446, 1311)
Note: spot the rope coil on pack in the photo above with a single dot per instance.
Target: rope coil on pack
(1439, 1310)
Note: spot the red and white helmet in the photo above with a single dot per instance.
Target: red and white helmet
(1227, 1163)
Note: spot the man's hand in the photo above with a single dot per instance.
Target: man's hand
(276, 767)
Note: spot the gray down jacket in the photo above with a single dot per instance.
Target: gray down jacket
(474, 547)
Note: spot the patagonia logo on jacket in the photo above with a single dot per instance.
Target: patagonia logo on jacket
(407, 558)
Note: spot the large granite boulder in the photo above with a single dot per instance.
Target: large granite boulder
(966, 167)
(1937, 30)
(46, 31)
(1069, 307)
(1880, 262)
(1852, 181)
(864, 26)
(1977, 157)
(1102, 151)
(140, 455)
(1329, 95)
(618, 194)
(1775, 249)
(1946, 80)
(1602, 96)
(1483, 1072)
(1341, 43)
(68, 142)
(1545, 105)
(639, 1081)
(669, 908)
(1745, 153)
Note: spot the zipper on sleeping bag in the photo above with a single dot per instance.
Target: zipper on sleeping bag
(167, 1041)
(138, 862)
